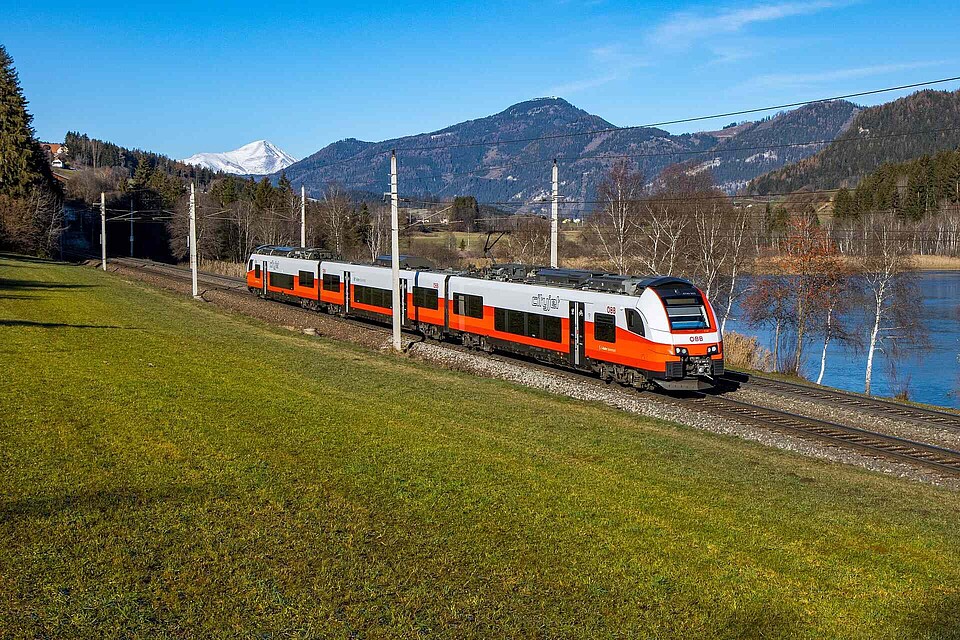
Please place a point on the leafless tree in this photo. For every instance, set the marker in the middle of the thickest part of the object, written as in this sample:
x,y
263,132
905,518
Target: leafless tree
x,y
835,299
32,224
378,230
336,218
891,294
660,235
615,221
528,241
739,258
768,304
241,216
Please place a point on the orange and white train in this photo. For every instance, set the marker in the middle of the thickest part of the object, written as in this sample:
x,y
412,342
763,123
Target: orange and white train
x,y
635,330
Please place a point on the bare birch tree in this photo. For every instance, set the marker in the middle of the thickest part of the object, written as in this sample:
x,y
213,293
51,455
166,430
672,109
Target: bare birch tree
x,y
739,259
615,221
377,230
892,297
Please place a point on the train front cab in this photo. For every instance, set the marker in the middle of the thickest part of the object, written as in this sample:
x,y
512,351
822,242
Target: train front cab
x,y
697,358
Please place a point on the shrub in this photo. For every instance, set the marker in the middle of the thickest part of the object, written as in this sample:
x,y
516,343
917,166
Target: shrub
x,y
745,352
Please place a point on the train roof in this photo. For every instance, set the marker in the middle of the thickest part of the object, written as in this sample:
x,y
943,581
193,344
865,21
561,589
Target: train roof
x,y
303,253
407,262
509,272
578,278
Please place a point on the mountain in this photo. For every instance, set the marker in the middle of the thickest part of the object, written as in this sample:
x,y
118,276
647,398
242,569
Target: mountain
x,y
518,172
930,118
257,158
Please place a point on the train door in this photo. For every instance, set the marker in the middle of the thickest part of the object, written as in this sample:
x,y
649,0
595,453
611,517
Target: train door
x,y
577,319
346,291
265,273
403,303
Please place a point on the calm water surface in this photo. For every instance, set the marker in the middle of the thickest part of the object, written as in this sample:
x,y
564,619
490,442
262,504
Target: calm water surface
x,y
932,376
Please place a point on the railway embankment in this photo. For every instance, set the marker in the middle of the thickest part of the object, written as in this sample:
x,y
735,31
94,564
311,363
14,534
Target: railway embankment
x,y
840,409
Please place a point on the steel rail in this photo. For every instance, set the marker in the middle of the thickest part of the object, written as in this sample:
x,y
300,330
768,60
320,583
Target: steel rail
x,y
881,407
879,444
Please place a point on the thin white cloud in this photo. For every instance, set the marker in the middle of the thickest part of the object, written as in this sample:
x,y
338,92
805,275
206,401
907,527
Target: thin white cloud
x,y
577,86
710,29
685,28
804,80
613,62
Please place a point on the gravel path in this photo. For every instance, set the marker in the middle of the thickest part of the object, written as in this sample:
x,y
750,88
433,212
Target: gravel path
x,y
577,387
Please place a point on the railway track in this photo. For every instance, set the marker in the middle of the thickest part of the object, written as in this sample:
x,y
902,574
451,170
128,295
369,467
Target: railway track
x,y
224,282
865,404
944,461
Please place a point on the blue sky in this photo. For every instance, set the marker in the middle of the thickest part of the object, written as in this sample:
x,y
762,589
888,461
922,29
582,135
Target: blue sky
x,y
179,78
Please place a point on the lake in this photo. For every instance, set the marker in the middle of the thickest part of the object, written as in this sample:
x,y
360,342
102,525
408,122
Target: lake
x,y
932,377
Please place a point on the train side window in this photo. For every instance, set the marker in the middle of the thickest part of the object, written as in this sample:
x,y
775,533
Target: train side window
x,y
306,279
634,321
426,298
468,305
331,283
256,271
500,319
281,280
251,266
373,296
516,322
551,329
604,327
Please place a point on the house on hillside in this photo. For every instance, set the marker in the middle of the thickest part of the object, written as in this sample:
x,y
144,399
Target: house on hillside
x,y
56,153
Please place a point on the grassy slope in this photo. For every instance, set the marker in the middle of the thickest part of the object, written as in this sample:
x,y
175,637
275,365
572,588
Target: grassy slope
x,y
168,468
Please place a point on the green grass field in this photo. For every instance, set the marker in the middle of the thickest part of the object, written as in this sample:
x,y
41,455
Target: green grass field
x,y
171,470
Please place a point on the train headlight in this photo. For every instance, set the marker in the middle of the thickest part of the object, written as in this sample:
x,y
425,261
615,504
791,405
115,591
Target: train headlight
x,y
712,349
680,351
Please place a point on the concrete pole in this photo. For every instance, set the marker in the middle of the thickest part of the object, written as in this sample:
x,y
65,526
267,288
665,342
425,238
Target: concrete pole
x,y
554,217
303,216
395,248
131,226
103,230
193,238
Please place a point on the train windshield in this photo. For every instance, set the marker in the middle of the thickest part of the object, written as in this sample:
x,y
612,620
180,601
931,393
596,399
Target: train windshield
x,y
686,312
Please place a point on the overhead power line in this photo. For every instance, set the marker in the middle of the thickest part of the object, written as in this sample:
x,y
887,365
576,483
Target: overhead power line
x,y
371,153
728,114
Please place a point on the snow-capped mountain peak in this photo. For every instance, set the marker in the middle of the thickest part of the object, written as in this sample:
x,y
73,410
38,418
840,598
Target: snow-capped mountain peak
x,y
260,157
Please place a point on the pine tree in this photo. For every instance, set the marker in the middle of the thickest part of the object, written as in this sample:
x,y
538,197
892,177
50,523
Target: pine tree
x,y
23,165
141,177
843,205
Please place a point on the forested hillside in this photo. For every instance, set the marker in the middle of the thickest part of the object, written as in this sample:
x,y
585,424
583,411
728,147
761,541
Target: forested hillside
x,y
444,163
914,189
923,123
89,152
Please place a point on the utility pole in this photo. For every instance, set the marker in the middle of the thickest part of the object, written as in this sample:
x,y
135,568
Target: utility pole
x,y
131,225
554,216
103,230
193,238
395,248
303,216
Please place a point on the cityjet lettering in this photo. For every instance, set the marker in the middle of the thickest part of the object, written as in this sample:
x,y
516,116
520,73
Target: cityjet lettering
x,y
546,303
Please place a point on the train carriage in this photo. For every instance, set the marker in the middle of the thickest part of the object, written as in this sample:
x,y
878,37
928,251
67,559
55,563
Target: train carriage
x,y
633,330
274,272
